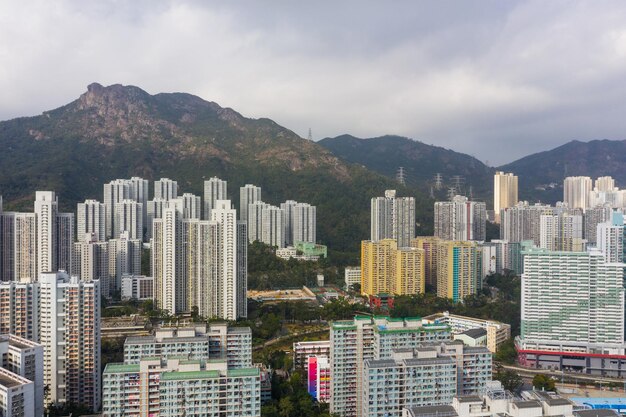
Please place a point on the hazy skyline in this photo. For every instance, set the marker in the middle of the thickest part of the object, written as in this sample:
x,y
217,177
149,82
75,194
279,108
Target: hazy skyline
x,y
498,80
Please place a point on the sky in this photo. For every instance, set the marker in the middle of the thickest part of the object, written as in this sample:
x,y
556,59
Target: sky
x,y
495,79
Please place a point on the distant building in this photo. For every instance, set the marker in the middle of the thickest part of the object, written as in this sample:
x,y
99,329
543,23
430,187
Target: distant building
x,y
91,218
165,189
248,194
137,287
303,350
214,189
393,218
576,192
562,232
504,192
387,269
460,219
497,332
352,275
459,269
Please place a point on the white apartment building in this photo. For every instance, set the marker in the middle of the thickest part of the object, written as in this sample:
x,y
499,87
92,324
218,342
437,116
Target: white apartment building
x,y
572,301
610,238
497,332
17,395
255,220
70,334
215,341
23,358
165,189
248,194
55,234
200,263
18,240
576,192
113,193
273,229
352,275
124,258
214,189
562,232
198,388
352,342
91,218
91,261
211,365
129,219
304,224
460,219
137,287
154,211
393,218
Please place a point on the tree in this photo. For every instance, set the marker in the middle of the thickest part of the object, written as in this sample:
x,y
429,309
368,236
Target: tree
x,y
543,382
506,352
510,380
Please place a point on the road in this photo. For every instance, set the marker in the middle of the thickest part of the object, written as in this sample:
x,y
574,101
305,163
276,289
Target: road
x,y
529,372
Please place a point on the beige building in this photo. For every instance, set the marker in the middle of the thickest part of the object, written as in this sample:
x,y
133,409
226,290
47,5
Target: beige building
x,y
504,192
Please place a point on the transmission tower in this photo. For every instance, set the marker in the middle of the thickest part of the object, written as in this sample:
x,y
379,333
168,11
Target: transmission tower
x,y
400,177
438,181
432,192
457,183
310,136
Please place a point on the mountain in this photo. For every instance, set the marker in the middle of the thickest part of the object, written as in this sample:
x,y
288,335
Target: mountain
x,y
595,158
421,162
122,131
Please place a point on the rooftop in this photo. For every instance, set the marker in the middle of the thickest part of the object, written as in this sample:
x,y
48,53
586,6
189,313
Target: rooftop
x,y
10,380
475,333
527,404
119,368
433,410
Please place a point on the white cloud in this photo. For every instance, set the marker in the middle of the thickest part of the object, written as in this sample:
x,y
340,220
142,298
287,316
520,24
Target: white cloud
x,y
495,79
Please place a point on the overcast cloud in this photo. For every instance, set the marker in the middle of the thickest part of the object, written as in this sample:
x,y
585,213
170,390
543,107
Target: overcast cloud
x,y
496,79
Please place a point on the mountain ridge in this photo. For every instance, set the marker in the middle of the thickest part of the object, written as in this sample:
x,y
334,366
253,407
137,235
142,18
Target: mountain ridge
x,y
121,131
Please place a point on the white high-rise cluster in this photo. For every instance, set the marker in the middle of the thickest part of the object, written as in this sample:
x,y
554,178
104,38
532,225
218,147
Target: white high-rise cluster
x,y
393,218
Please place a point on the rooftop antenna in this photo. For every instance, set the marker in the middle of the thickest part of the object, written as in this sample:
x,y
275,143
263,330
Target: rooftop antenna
x,y
310,136
400,176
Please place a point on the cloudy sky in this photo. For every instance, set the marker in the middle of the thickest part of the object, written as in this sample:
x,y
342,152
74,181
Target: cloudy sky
x,y
495,79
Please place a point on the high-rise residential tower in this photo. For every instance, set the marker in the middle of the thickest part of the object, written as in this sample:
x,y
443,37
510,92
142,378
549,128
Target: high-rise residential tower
x,y
459,269
304,224
70,334
165,189
504,192
129,219
91,218
460,219
562,232
214,189
114,192
576,192
248,194
571,302
393,218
